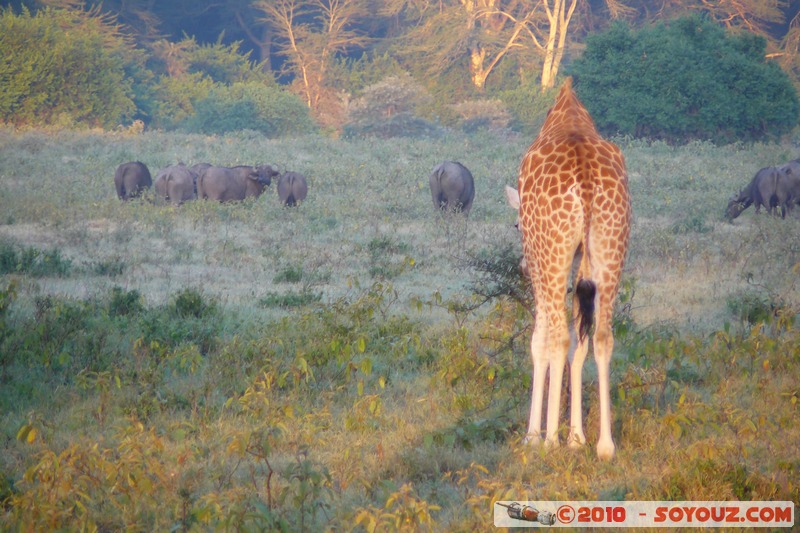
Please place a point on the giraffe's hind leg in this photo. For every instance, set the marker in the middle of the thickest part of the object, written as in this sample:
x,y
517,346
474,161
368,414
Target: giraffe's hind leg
x,y
603,343
603,346
581,348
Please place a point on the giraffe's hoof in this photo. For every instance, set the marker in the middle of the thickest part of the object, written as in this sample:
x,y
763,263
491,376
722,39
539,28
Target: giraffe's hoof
x,y
551,444
605,450
531,440
576,441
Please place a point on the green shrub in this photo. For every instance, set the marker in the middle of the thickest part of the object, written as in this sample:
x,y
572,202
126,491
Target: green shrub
x,y
225,63
174,98
475,115
124,302
290,274
389,109
400,125
752,308
64,68
63,335
383,260
7,297
191,303
528,106
354,75
110,267
290,299
191,317
33,262
250,106
684,80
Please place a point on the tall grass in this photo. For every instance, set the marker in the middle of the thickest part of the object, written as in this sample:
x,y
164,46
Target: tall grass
x,y
251,366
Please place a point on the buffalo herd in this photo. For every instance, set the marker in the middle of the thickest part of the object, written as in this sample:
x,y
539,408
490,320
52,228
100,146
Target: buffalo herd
x,y
452,184
774,188
179,183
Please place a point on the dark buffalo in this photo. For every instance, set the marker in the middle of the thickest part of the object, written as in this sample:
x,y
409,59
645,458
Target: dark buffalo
x,y
175,184
292,188
792,184
233,184
768,188
199,168
131,179
452,187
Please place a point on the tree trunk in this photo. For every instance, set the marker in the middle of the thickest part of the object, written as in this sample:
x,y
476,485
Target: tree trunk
x,y
477,72
559,17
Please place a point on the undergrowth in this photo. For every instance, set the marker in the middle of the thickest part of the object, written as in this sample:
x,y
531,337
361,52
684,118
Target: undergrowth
x,y
351,415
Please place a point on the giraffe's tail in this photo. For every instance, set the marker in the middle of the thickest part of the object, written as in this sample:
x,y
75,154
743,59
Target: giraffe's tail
x,y
584,293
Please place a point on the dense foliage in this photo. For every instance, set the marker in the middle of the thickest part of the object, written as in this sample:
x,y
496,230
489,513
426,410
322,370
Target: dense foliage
x,y
684,80
254,106
84,64
60,68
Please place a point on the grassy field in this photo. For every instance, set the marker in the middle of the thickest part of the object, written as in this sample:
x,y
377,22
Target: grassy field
x,y
251,367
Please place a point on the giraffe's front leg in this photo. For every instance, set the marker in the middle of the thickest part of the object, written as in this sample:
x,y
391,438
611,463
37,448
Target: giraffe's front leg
x,y
540,365
557,348
534,435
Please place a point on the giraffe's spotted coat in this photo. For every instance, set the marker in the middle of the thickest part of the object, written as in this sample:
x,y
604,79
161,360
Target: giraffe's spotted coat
x,y
573,195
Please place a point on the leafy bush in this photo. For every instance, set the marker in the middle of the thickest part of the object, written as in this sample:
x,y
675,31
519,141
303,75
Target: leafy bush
x,y
479,114
400,125
290,299
190,303
226,63
388,109
174,98
290,274
125,302
64,68
221,63
7,297
354,75
684,80
528,106
34,262
250,106
751,308
191,317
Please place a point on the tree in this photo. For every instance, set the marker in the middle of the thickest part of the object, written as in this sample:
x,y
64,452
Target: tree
x,y
790,57
482,33
310,33
684,80
559,15
64,67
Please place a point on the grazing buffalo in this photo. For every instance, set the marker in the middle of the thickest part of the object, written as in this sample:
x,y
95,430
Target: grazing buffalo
x,y
131,179
792,171
452,187
232,184
292,188
768,188
198,168
175,184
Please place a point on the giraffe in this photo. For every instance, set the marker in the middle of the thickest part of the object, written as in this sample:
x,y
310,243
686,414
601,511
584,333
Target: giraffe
x,y
572,199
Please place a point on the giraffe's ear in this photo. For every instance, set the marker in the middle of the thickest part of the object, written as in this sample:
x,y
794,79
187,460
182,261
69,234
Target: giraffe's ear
x,y
512,195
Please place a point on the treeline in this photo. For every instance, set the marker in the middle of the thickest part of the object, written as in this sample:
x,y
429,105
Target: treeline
x,y
408,69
